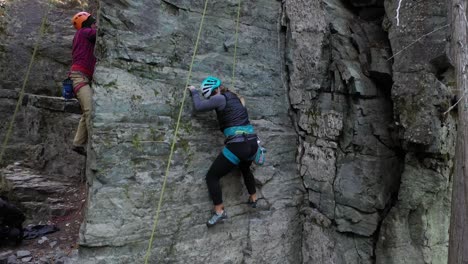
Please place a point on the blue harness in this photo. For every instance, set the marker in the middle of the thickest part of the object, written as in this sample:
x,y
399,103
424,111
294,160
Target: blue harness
x,y
238,130
231,156
237,134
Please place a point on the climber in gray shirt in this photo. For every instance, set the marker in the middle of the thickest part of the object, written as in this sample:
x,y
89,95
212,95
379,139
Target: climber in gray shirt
x,y
241,141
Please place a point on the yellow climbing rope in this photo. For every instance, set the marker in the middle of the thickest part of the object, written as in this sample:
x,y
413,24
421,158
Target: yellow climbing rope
x,y
21,94
174,139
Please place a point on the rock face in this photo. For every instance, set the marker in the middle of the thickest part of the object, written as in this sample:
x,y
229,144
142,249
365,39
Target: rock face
x,y
42,134
145,50
349,104
348,157
41,168
421,94
374,130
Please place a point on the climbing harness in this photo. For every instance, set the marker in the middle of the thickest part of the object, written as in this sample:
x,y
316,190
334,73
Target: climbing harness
x,y
240,138
174,139
21,94
238,130
230,156
259,156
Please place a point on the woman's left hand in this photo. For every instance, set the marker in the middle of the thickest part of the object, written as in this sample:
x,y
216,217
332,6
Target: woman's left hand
x,y
191,88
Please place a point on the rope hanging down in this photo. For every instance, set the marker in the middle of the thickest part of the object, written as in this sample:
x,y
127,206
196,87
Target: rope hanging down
x,y
21,94
174,139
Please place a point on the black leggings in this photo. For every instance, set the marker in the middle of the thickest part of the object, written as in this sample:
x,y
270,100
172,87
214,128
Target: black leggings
x,y
222,166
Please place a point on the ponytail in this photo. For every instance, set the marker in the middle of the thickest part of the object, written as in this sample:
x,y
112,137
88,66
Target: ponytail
x,y
224,89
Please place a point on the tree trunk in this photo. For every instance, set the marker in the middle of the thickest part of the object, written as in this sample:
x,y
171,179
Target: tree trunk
x,y
458,242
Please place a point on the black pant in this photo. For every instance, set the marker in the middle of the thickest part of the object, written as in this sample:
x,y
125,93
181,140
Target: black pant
x,y
10,235
222,166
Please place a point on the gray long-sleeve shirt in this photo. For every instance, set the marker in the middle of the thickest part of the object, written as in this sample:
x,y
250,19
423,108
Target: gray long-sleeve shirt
x,y
216,102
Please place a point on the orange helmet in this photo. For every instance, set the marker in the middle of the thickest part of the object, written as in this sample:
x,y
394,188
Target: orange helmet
x,y
79,18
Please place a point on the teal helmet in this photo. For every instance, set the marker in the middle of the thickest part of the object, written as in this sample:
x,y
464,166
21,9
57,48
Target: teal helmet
x,y
209,85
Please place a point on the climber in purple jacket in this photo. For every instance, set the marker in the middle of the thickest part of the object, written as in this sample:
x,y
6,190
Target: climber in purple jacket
x,y
241,141
81,73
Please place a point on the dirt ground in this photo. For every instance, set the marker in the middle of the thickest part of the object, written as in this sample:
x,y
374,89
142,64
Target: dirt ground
x,y
61,245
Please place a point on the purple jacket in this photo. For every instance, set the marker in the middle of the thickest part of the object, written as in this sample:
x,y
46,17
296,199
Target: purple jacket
x,y
83,51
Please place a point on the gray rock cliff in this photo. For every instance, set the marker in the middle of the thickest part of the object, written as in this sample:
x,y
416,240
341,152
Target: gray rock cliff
x,y
349,104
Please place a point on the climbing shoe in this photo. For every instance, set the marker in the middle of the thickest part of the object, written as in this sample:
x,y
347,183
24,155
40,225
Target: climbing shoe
x,y
216,218
80,150
251,203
